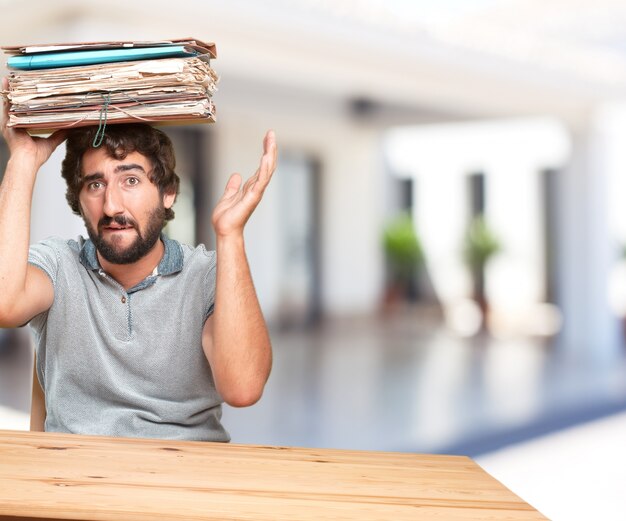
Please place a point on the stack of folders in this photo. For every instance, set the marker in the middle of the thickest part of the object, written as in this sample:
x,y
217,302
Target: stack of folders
x,y
71,85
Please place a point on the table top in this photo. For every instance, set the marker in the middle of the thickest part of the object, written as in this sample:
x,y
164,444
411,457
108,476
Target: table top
x,y
68,476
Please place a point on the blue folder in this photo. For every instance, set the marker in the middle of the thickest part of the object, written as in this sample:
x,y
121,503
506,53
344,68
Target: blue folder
x,y
53,60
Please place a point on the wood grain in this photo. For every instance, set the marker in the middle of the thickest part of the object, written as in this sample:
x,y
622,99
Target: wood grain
x,y
63,476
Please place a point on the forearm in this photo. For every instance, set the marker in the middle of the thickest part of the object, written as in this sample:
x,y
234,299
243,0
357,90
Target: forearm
x,y
15,206
241,355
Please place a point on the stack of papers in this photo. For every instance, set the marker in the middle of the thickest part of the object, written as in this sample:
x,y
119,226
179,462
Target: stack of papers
x,y
71,85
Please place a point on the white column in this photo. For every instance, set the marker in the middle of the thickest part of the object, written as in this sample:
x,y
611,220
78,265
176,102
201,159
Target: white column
x,y
585,251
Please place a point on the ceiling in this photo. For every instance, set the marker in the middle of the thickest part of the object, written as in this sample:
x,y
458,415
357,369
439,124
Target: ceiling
x,y
581,38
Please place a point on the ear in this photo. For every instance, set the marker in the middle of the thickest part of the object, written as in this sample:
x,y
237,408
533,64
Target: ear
x,y
168,200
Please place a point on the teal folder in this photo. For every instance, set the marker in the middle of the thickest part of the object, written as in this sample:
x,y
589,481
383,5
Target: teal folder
x,y
52,60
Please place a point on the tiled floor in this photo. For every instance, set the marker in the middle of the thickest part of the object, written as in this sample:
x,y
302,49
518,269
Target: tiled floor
x,y
402,384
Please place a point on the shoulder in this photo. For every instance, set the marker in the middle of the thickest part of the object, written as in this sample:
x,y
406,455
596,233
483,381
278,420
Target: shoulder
x,y
179,257
56,247
198,255
58,243
199,263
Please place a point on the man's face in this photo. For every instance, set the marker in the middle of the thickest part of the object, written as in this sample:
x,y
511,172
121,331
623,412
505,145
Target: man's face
x,y
122,209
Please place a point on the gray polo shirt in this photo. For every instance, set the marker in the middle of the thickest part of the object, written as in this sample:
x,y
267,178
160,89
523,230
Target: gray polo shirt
x,y
127,363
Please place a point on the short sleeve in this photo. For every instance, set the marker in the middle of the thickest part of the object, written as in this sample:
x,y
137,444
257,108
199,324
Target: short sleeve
x,y
45,256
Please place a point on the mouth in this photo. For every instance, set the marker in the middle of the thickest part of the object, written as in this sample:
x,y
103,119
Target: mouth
x,y
111,228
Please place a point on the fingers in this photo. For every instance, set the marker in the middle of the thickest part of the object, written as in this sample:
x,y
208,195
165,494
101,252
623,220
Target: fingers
x,y
5,105
270,148
258,182
4,116
232,186
57,137
49,144
268,162
273,146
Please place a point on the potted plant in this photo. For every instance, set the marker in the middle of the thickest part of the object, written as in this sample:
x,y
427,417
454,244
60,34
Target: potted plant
x,y
480,245
404,256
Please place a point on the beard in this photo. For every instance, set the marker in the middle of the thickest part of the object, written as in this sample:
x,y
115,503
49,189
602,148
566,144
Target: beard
x,y
142,244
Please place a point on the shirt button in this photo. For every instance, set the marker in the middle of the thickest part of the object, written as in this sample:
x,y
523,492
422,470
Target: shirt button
x,y
123,300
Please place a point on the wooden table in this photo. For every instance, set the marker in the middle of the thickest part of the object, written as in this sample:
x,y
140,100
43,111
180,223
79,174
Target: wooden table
x,y
61,476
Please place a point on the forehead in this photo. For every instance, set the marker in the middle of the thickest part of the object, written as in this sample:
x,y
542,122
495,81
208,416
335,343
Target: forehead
x,y
98,160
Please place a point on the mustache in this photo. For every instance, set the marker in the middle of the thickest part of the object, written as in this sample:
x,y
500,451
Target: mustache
x,y
121,220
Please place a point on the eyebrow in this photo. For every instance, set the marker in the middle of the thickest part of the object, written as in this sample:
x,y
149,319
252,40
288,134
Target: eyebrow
x,y
129,166
118,169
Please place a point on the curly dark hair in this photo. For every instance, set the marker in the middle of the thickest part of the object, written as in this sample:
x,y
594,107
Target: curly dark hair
x,y
119,141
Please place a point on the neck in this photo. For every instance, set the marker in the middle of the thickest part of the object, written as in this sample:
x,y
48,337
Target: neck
x,y
129,275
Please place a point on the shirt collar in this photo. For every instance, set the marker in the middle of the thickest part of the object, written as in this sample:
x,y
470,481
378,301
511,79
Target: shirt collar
x,y
171,262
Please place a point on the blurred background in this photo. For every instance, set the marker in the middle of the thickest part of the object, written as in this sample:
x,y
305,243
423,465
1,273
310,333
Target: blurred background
x,y
441,255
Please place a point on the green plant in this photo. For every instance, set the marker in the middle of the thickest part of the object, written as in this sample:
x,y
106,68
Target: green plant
x,y
403,248
480,244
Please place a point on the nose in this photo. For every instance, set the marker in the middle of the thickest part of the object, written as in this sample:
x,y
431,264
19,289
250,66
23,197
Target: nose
x,y
113,203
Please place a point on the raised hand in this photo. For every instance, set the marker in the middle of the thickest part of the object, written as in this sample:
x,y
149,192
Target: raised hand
x,y
37,149
238,202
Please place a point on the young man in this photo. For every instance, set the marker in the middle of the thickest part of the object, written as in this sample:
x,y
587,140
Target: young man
x,y
136,334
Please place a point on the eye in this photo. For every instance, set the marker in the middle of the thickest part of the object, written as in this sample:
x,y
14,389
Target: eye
x,y
132,181
94,185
